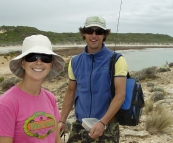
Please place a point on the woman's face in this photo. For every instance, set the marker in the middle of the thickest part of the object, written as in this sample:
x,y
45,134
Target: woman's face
x,y
37,66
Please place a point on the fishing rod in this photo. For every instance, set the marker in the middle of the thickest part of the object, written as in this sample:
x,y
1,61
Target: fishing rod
x,y
116,36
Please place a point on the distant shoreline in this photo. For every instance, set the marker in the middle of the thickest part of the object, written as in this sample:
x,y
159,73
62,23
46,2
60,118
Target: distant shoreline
x,y
8,49
113,47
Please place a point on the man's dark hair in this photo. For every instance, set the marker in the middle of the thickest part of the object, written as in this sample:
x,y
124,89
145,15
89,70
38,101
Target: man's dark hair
x,y
82,31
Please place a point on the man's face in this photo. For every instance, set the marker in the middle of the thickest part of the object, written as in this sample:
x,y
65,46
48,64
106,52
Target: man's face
x,y
94,38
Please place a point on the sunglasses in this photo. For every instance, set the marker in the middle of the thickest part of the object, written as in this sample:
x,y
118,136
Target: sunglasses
x,y
34,56
97,31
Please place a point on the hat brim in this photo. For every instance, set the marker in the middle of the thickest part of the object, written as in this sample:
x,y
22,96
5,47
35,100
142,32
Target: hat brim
x,y
57,66
97,25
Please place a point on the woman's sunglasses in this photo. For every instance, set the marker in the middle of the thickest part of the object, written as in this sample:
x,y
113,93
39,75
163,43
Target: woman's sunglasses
x,y
34,56
97,31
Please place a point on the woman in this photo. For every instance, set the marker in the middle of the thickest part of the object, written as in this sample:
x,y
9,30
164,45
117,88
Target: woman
x,y
29,113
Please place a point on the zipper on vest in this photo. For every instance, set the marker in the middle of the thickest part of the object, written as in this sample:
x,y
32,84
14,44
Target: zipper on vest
x,y
91,84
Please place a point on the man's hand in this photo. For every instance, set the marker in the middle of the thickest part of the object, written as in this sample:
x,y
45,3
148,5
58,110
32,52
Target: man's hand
x,y
97,130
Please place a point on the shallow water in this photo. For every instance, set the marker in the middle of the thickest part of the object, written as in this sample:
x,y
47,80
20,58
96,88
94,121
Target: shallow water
x,y
140,59
136,59
4,50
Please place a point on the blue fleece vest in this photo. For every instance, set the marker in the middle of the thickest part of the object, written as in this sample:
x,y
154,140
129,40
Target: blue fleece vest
x,y
93,94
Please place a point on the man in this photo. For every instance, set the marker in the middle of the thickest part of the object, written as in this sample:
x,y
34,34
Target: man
x,y
89,87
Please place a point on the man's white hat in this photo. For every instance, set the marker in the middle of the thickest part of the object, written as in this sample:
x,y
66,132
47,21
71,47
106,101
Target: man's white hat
x,y
95,21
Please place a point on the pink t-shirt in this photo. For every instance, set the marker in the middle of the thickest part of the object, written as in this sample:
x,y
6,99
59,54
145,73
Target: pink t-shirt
x,y
27,118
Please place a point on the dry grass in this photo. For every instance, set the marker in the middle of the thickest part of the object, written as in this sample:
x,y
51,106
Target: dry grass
x,y
148,108
159,120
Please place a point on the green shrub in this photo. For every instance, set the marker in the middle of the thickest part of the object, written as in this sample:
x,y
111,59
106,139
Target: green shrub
x,y
148,73
12,54
163,69
8,83
1,79
170,64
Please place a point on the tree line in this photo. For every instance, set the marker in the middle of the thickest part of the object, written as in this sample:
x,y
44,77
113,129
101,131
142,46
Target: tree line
x,y
14,35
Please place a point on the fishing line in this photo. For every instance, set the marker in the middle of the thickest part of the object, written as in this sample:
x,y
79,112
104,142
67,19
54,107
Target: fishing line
x,y
116,36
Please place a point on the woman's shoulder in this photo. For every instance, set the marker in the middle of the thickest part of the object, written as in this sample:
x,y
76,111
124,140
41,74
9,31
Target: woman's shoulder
x,y
47,93
48,96
8,96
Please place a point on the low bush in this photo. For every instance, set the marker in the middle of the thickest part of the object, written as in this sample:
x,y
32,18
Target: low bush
x,y
159,120
148,73
8,83
170,64
163,69
148,108
1,79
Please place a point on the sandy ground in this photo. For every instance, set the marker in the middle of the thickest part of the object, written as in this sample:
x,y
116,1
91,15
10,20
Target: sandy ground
x,y
165,80
4,65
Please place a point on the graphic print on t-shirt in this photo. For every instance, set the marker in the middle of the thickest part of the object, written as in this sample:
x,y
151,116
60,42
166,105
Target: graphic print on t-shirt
x,y
39,125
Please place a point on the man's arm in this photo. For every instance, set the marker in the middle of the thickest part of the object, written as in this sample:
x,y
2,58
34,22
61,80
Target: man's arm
x,y
6,140
120,88
67,103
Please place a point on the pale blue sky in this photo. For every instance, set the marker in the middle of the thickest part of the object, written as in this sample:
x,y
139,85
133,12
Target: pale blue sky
x,y
137,16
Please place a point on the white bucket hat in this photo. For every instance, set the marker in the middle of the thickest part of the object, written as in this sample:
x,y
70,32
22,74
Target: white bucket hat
x,y
37,44
95,21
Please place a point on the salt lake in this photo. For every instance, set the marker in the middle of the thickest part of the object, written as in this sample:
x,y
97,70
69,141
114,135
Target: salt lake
x,y
140,59
136,59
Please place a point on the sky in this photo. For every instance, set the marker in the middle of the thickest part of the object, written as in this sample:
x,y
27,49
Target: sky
x,y
136,16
